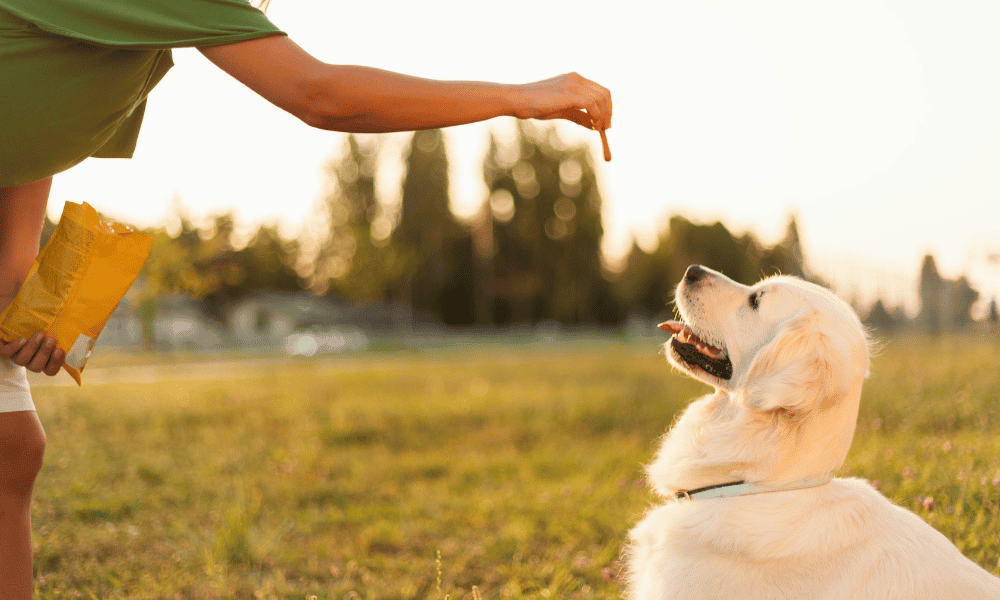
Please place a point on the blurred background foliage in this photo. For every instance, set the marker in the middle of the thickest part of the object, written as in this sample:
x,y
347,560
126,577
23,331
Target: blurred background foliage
x,y
530,254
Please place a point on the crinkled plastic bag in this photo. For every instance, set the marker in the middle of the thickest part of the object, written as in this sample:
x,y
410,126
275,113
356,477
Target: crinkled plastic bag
x,y
76,282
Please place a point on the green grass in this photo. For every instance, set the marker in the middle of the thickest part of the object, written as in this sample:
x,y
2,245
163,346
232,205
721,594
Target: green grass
x,y
515,472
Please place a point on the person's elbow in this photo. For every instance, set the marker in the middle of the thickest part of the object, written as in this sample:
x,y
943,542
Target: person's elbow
x,y
319,104
317,107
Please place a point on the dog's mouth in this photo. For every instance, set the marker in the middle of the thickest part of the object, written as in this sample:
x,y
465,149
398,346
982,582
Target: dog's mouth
x,y
696,352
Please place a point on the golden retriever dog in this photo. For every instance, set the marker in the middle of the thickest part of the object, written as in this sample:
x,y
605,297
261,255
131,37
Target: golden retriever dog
x,y
751,508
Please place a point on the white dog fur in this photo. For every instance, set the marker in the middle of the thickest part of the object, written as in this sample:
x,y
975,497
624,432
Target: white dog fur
x,y
787,414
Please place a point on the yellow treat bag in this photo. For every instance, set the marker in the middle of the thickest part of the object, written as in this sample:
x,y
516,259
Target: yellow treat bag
x,y
76,282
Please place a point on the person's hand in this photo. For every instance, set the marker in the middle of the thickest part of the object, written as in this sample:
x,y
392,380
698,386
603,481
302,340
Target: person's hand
x,y
37,353
570,96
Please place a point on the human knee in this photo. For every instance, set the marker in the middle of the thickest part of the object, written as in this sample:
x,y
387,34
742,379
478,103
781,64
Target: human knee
x,y
22,452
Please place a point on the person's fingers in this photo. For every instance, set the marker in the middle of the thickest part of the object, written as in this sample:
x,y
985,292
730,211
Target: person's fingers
x,y
37,353
41,358
571,114
600,106
570,96
600,114
23,356
584,119
9,349
55,362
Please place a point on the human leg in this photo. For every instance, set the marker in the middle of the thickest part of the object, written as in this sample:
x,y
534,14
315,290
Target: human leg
x,y
22,448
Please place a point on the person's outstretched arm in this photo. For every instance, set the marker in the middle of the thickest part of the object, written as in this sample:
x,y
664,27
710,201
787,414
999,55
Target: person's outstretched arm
x,y
368,100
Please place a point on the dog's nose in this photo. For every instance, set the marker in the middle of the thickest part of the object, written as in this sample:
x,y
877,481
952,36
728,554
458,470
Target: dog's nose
x,y
694,273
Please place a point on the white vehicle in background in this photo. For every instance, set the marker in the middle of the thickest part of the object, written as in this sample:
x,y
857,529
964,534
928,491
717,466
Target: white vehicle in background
x,y
327,341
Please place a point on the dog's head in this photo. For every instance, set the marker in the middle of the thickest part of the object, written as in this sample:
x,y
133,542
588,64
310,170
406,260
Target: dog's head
x,y
787,358
782,343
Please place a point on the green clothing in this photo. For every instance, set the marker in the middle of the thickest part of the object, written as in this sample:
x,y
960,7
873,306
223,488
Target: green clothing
x,y
74,74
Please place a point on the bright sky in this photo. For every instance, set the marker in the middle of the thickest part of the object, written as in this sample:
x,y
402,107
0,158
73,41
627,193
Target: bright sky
x,y
876,122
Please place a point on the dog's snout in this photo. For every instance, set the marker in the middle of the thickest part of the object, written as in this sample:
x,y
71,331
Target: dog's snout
x,y
694,273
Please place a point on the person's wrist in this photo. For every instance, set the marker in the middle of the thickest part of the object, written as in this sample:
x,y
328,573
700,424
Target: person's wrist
x,y
513,100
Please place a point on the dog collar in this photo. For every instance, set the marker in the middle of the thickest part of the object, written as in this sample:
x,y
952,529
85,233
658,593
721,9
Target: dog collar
x,y
742,488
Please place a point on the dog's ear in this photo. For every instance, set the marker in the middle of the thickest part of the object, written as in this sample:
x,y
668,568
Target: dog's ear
x,y
801,369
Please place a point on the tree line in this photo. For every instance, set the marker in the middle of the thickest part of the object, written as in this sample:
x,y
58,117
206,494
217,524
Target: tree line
x,y
945,306
531,253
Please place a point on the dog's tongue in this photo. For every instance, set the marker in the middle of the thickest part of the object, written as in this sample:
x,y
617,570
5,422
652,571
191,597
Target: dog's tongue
x,y
673,327
686,336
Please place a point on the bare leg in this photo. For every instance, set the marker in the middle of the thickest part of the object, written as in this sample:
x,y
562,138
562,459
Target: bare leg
x,y
22,446
22,439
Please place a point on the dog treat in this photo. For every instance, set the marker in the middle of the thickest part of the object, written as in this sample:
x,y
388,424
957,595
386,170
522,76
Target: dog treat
x,y
76,282
604,143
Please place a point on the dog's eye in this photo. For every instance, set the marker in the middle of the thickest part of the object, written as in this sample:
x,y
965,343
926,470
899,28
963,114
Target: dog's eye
x,y
754,300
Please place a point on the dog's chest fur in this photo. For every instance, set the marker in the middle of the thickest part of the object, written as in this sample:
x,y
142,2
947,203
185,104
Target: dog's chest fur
x,y
842,540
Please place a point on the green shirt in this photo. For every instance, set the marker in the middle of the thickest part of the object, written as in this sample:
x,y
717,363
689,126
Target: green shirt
x,y
74,74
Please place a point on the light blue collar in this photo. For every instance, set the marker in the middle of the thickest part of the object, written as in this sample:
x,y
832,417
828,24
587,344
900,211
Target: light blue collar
x,y
742,488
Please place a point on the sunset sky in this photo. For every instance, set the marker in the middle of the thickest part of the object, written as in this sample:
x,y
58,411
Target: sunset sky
x,y
876,123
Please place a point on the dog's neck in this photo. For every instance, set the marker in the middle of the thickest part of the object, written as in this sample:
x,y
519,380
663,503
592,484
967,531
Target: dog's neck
x,y
717,441
742,488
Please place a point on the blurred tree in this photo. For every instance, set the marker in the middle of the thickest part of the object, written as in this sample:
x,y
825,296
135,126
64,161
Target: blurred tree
x,y
581,287
214,261
643,284
267,263
931,285
176,265
792,244
684,243
884,320
484,291
357,259
944,304
787,256
712,246
648,279
963,296
203,264
514,232
439,280
544,257
227,274
458,294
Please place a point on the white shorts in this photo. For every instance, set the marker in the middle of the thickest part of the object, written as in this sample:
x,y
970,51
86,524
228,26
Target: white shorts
x,y
15,394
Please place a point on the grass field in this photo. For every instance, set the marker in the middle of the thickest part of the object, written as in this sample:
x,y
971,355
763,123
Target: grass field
x,y
512,472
